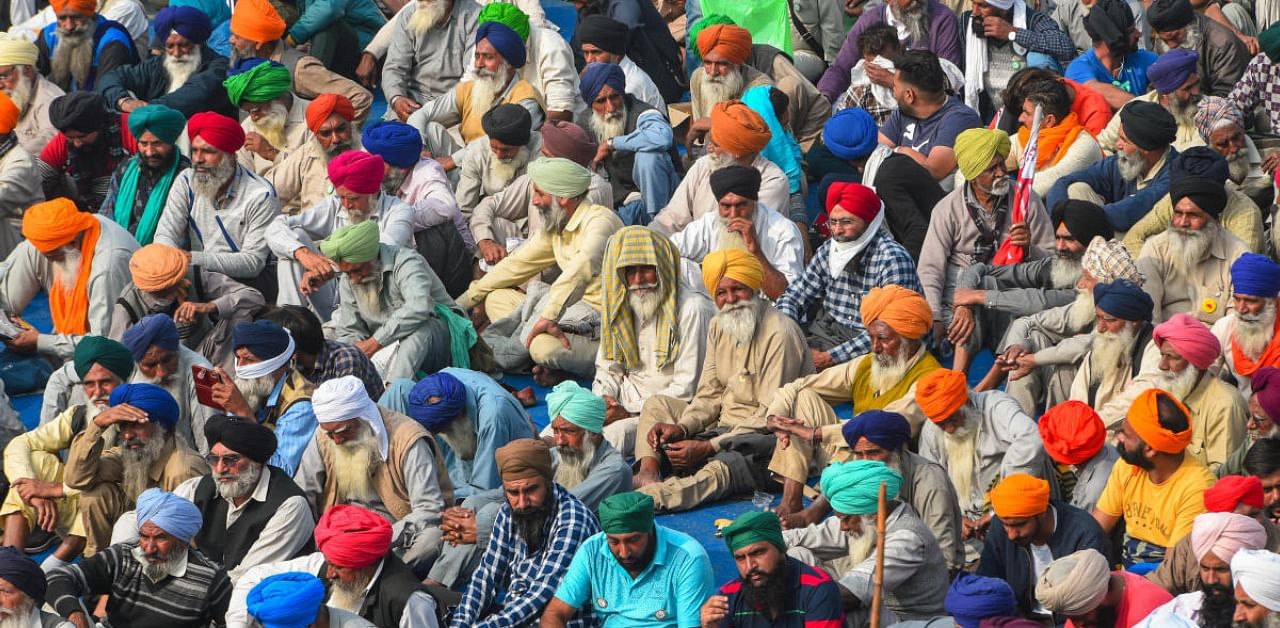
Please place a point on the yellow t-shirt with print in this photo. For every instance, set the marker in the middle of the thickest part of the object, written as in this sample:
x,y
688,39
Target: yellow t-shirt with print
x,y
1160,514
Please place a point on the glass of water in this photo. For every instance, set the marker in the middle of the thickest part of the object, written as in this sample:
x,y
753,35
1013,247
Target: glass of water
x,y
762,500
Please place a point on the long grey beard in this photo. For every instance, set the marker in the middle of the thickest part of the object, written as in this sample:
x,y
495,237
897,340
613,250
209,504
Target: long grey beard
x,y
888,370
1254,332
554,218
206,184
22,92
155,572
739,320
353,464
730,239
17,617
644,302
1083,313
179,70
73,59
1189,247
369,299
137,463
1190,41
861,545
1239,167
460,436
916,19
1131,166
1108,349
348,597
335,149
173,384
271,124
427,14
67,270
487,86
1064,272
962,458
244,482
608,126
715,89
502,172
1179,384
1184,111
575,464
256,390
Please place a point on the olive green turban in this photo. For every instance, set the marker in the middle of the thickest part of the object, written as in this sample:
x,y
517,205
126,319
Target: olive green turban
x,y
976,147
355,244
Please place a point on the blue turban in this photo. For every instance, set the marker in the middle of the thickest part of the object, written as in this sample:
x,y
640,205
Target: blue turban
x,y
972,599
156,330
397,143
170,513
1172,69
889,430
189,22
23,573
286,600
506,41
1256,276
597,75
159,405
853,488
263,339
1123,300
851,134
576,405
1200,161
217,10
437,416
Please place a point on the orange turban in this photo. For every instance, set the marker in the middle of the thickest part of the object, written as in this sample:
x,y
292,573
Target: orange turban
x,y
729,41
8,114
83,7
904,310
49,226
326,105
257,20
1019,496
157,267
940,393
1144,416
735,264
1072,432
738,129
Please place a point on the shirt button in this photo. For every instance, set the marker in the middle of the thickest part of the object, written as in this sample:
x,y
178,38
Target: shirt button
x,y
602,603
661,614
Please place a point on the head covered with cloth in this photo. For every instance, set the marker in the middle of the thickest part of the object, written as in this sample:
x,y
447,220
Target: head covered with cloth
x,y
853,488
1257,573
627,513
1148,126
560,177
158,267
174,515
905,311
397,143
345,399
737,129
888,430
1224,534
353,244
60,232
257,21
577,405
1109,260
850,134
630,299
286,600
1072,432
100,350
524,459
1149,416
734,264
752,528
1190,338
23,574
976,149
941,393
161,408
250,439
1172,69
1075,584
597,75
1123,300
437,400
257,80
1232,491
353,537
153,330
973,598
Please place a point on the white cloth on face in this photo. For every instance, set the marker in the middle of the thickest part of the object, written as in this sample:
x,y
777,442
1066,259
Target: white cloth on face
x,y
1258,573
268,366
841,253
858,78
345,398
975,55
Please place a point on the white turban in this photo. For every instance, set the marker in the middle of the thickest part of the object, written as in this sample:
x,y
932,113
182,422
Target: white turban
x,y
1074,584
16,50
1258,573
345,398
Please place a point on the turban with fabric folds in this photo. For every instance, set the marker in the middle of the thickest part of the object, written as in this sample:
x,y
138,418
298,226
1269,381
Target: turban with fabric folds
x,y
160,406
286,600
576,405
1224,534
1190,338
942,392
1256,276
9,114
354,244
397,143
219,131
738,129
1214,109
1110,23
258,21
264,339
154,330
975,148
23,573
524,458
736,264
727,40
175,515
51,225
508,14
1231,491
248,438
1209,195
1269,41
1144,416
83,7
889,430
604,33
85,112
568,140
626,513
1019,496
1072,432
358,171
1172,68
157,267
1258,573
112,355
1109,260
1200,161
1266,385
190,22
559,177
853,487
1123,300
164,123
1074,584
855,198
451,401
257,80
850,134
741,180
507,42
1147,125
597,75
326,105
629,247
752,528
16,50
1083,219
1170,15
707,21
352,537
508,123
904,310
973,598
343,399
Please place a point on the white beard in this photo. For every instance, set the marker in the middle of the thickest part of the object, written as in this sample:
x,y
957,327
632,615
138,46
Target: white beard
x,y
961,449
22,92
1183,111
644,301
17,617
739,320
713,90
179,70
1083,313
1189,247
427,15
335,149
1108,349
487,86
862,545
575,465
460,436
271,124
554,218
502,172
720,160
1179,384
369,298
1254,333
173,383
353,464
156,572
730,239
256,390
243,484
348,597
1131,166
206,184
608,126
1064,272
66,271
1239,167
888,370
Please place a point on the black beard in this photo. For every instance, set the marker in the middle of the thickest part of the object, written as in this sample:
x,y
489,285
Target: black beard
x,y
1219,606
1136,459
770,598
531,525
639,563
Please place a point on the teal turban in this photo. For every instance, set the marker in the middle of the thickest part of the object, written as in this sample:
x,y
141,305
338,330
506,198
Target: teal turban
x,y
626,513
161,121
112,355
354,244
576,405
560,177
752,528
853,488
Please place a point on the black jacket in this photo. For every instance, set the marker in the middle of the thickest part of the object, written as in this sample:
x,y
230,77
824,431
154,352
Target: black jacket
x,y
149,81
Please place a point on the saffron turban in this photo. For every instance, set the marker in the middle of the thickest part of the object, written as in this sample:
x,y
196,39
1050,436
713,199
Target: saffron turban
x,y
112,355
850,134
83,7
1269,41
973,598
326,105
353,537
1256,276
450,401
51,225
190,22
1109,260
160,406
604,33
752,528
941,392
1258,573
1172,68
576,405
286,600
1232,490
738,129
85,112
1072,432
1123,300
175,515
264,339
524,458
1266,385
507,14
154,330
1019,496
164,123
597,75
905,311
1148,126
1224,534
626,513
1209,195
1200,161
397,143
853,487
343,399
9,114
1074,584
248,438
256,80
258,21
1212,110
157,267
357,171
16,50
508,123
741,180
559,177
1169,15
855,198
975,148
568,140
507,42
1084,220
1190,338
354,244
706,22
219,131
23,573
726,40
736,264
1144,416
889,430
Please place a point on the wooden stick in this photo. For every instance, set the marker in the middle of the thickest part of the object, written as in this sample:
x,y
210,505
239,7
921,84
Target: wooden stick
x,y
877,591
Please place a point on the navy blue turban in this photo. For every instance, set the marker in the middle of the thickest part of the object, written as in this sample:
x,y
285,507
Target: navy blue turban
x,y
850,134
159,405
972,599
889,430
1123,300
397,143
597,75
437,416
189,22
1256,276
156,330
1200,161
263,339
23,573
506,41
1172,69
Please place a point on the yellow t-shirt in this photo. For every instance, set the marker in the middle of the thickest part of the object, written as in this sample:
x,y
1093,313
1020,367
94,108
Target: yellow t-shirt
x,y
1160,514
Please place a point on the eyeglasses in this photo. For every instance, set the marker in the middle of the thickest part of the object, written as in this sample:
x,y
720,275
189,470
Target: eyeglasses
x,y
229,460
841,222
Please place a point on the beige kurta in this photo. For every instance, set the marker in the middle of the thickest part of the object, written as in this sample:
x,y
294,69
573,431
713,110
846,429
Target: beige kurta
x,y
1186,137
1113,384
34,128
302,178
19,189
751,77
510,212
1206,294
1241,217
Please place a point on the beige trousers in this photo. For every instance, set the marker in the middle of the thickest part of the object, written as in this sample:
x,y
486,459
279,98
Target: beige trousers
x,y
48,468
802,459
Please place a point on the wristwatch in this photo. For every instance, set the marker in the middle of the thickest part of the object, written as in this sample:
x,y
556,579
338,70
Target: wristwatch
x,y
1013,35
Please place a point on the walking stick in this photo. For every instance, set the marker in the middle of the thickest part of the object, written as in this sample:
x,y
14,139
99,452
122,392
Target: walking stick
x,y
877,591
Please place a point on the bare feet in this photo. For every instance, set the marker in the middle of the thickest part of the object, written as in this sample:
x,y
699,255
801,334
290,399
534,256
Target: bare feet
x,y
647,475
548,377
801,519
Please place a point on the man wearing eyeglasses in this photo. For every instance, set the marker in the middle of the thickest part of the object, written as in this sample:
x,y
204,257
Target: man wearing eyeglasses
x,y
302,179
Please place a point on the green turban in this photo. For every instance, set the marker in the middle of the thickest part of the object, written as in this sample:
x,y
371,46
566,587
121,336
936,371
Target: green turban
x,y
975,148
560,177
754,527
626,513
355,244
112,355
508,14
1269,41
853,488
576,405
712,19
161,121
262,82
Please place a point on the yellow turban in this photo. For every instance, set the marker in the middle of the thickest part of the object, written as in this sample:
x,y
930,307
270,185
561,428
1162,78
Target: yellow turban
x,y
1020,496
157,267
904,310
15,50
735,264
940,393
976,147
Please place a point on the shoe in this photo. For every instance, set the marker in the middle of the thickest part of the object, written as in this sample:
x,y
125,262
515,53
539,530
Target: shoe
x,y
39,541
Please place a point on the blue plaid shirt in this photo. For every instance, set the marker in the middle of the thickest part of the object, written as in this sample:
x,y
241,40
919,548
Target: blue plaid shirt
x,y
513,586
884,262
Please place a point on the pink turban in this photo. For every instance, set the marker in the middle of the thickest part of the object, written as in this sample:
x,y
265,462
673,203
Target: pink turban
x,y
1190,338
1225,534
357,171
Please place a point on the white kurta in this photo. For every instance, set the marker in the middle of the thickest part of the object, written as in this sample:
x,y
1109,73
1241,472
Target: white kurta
x,y
778,237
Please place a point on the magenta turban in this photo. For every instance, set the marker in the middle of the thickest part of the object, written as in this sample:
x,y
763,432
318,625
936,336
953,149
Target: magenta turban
x,y
1190,338
357,171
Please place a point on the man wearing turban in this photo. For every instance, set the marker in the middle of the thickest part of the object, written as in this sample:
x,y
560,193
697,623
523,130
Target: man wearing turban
x,y
1113,37
80,46
1222,56
140,185
1080,587
724,74
1075,439
494,162
1256,574
716,445
20,180
302,179
603,40
1214,541
295,599
275,121
1247,334
1177,86
26,583
161,359
1119,348
78,162
30,91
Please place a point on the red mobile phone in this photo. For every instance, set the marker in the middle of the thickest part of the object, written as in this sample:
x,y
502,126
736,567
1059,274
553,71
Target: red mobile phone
x,y
205,379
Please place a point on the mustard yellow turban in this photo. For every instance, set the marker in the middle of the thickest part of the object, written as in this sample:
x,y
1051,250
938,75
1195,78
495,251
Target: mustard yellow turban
x,y
976,147
735,264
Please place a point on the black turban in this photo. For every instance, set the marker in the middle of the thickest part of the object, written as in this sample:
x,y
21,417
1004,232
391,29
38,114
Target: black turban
x,y
247,438
1084,220
23,573
741,180
1148,125
85,112
604,33
1207,194
1170,15
1109,21
509,124
1200,161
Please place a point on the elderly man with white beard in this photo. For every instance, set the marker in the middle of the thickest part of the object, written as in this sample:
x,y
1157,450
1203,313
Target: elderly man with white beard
x,y
275,121
1263,418
24,587
419,181
29,90
724,74
549,67
162,360
302,179
427,53
1247,334
1119,347
1176,86
494,162
1222,127
82,46
21,182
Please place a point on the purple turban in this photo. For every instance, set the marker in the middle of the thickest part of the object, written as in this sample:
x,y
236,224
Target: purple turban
x,y
1171,69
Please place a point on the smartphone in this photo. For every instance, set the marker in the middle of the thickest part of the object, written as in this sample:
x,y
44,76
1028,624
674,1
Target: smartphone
x,y
205,379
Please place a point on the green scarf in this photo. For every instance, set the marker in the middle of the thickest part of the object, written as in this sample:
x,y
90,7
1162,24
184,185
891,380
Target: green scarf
x,y
462,335
155,202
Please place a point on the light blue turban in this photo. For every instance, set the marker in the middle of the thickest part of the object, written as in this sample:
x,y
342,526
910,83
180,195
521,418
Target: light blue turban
x,y
171,513
853,488
286,600
576,405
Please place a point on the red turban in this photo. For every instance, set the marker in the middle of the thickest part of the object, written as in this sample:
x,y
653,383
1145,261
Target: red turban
x,y
326,105
1232,490
357,171
941,393
83,7
219,131
353,537
1190,338
729,41
855,198
1072,432
738,129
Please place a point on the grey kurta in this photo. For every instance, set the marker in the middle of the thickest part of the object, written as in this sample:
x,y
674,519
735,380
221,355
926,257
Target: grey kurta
x,y
474,184
424,66
19,189
1210,280
227,235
